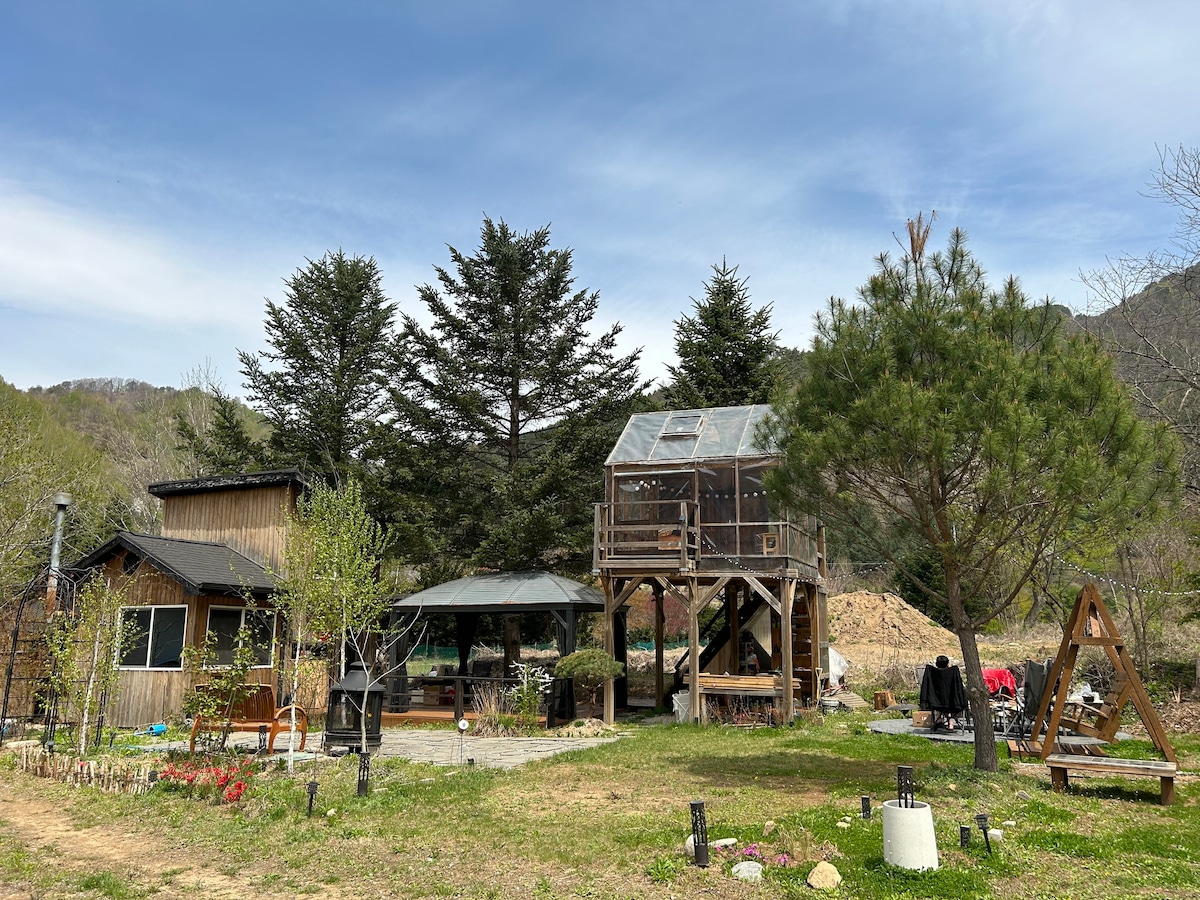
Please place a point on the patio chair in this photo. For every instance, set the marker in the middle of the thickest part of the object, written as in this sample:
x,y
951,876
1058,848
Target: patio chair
x,y
1033,688
942,693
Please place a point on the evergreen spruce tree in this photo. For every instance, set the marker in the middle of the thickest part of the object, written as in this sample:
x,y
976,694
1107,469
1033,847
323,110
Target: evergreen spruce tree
x,y
226,447
505,407
727,351
321,386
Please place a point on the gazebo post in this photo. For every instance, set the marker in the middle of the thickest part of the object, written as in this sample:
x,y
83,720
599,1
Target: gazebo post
x,y
466,625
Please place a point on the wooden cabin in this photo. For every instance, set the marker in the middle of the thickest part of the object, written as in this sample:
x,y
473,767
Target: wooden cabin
x,y
211,570
685,512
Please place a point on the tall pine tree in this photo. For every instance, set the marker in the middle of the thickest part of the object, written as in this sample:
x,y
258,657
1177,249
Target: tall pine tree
x,y
506,406
727,351
321,386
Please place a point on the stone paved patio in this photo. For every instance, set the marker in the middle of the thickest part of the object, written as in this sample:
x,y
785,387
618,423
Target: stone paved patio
x,y
441,747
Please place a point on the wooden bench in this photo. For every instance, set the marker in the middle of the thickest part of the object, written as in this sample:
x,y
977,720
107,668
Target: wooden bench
x,y
1062,763
253,712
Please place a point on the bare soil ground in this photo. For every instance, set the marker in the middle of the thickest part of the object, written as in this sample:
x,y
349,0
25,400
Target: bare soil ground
x,y
165,868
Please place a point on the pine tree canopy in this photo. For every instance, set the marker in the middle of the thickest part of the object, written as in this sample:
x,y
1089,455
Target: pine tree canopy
x,y
321,386
967,420
726,350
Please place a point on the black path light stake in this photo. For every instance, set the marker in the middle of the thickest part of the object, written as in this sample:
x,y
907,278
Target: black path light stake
x,y
904,786
311,789
700,833
964,836
152,777
982,821
866,807
364,771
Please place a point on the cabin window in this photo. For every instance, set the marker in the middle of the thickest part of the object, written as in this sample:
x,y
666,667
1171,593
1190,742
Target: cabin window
x,y
154,637
224,623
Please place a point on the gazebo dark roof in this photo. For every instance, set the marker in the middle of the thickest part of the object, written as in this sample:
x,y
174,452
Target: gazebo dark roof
x,y
202,567
506,592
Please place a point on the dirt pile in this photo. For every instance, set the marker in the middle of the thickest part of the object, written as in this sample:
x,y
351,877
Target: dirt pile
x,y
875,630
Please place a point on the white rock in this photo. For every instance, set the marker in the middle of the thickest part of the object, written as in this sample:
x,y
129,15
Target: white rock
x,y
329,814
843,824
689,846
748,871
768,827
1009,824
824,877
995,835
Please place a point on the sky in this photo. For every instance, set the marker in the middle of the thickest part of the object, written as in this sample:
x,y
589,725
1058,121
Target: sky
x,y
165,166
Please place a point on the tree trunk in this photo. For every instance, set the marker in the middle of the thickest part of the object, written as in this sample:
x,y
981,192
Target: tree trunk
x,y
977,695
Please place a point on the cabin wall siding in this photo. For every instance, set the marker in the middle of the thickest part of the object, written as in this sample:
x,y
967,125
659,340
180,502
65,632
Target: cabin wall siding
x,y
251,521
156,695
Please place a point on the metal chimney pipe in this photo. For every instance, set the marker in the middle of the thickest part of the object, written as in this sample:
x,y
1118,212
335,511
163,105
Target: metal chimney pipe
x,y
61,502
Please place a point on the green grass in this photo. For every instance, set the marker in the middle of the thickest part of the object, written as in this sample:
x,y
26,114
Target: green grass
x,y
610,822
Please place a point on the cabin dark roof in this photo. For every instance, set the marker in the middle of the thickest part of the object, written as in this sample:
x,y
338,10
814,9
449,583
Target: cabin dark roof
x,y
211,483
202,567
506,592
720,433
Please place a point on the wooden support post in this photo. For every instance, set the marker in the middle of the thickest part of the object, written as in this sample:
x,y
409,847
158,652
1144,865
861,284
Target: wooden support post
x,y
695,707
731,618
610,645
788,590
660,622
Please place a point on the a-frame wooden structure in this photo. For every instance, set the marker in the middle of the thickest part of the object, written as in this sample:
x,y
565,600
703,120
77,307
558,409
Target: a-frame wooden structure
x,y
1091,625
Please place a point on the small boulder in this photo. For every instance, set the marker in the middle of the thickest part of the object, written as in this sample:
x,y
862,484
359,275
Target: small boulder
x,y
843,824
768,828
723,843
1023,795
748,871
995,835
824,877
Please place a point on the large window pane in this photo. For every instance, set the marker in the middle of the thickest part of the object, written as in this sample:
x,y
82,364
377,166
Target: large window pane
x,y
223,627
135,625
166,638
154,637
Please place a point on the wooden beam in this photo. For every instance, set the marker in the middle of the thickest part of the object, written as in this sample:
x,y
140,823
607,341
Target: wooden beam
x,y
761,590
628,591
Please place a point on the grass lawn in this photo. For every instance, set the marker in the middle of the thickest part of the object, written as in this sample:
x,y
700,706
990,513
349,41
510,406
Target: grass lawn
x,y
610,822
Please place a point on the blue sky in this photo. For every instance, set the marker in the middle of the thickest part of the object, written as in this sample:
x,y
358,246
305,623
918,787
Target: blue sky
x,y
163,166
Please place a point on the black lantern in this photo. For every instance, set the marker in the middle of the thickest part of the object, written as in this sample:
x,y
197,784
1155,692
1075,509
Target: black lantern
x,y
700,833
353,700
981,821
311,790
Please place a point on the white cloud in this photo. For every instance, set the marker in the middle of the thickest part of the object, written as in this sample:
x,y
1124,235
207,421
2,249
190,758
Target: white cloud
x,y
74,262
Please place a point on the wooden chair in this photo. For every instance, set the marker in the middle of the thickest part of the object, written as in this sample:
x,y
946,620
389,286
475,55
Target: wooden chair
x,y
253,712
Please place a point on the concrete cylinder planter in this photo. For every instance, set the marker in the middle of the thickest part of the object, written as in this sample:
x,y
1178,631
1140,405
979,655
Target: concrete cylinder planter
x,y
908,837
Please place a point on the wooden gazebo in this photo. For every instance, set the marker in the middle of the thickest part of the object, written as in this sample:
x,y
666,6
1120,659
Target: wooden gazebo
x,y
685,512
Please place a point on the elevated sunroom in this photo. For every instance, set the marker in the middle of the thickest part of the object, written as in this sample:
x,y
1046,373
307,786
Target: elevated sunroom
x,y
684,491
